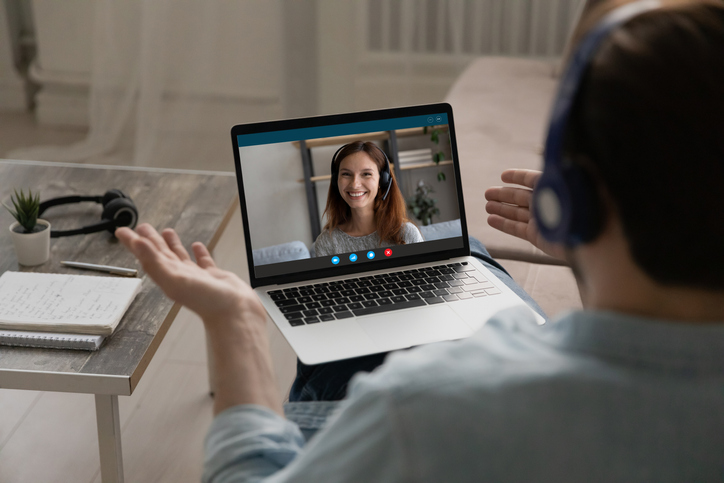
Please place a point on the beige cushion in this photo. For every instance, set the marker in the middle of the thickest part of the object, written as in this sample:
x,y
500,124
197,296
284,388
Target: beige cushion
x,y
500,107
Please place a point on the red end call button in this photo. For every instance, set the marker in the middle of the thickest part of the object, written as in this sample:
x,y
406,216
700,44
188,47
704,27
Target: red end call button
x,y
388,252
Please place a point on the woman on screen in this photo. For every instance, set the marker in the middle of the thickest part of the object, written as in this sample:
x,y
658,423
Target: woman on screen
x,y
365,208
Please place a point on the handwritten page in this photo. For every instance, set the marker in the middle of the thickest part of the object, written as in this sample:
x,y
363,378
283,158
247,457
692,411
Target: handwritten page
x,y
64,303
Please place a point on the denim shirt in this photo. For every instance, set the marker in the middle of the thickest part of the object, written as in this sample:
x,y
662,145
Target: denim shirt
x,y
590,396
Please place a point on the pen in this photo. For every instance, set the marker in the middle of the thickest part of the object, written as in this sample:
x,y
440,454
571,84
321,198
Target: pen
x,y
126,272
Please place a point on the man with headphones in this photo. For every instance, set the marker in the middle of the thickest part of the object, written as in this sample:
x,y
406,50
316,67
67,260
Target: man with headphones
x,y
629,389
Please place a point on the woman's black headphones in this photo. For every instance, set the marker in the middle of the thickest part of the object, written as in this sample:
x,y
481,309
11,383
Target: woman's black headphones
x,y
118,210
385,174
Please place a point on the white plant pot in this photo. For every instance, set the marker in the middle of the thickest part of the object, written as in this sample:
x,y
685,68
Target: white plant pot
x,y
32,248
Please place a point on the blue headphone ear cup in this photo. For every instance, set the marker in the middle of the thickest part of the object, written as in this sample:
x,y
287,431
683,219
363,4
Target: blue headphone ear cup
x,y
551,202
121,210
566,206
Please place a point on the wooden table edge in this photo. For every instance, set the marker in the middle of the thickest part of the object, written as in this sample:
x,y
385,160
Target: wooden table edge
x,y
143,364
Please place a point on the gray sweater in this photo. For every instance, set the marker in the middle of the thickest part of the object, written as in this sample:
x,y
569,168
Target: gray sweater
x,y
337,241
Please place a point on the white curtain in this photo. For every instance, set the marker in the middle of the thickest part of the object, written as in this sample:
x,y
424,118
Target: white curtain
x,y
170,77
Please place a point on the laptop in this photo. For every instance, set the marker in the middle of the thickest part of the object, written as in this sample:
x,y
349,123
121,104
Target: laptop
x,y
381,298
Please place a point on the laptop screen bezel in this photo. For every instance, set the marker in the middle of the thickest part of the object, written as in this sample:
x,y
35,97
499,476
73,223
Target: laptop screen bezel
x,y
334,119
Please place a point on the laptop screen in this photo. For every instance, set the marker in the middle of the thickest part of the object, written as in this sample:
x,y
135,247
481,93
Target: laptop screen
x,y
391,198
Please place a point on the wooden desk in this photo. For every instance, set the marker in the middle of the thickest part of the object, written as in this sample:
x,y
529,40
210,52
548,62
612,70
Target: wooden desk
x,y
198,205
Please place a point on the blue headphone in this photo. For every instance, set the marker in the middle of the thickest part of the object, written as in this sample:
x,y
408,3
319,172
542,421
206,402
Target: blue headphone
x,y
385,174
565,203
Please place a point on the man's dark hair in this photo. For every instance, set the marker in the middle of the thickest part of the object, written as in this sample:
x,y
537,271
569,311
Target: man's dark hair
x,y
649,125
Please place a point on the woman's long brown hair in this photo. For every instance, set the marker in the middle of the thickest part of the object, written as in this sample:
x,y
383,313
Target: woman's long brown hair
x,y
390,214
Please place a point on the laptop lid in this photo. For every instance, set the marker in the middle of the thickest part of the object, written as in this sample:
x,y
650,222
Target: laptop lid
x,y
283,172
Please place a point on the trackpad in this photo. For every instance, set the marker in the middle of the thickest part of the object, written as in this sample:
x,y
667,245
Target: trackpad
x,y
398,330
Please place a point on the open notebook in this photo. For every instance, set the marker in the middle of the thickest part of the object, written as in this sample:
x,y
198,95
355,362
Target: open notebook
x,y
60,303
51,340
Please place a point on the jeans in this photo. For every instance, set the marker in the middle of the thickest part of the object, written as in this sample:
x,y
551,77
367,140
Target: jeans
x,y
329,381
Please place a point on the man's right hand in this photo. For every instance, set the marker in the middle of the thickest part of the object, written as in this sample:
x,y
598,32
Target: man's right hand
x,y
217,296
510,209
233,315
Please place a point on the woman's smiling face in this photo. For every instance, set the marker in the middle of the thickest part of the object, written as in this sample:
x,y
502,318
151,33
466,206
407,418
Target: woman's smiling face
x,y
358,180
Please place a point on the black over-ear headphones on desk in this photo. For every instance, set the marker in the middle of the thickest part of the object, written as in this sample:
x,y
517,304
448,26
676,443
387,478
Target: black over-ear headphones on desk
x,y
118,210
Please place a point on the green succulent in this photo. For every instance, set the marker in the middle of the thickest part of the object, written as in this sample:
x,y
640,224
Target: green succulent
x,y
26,209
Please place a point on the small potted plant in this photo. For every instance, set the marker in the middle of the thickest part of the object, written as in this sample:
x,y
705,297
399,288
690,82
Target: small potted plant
x,y
422,206
31,236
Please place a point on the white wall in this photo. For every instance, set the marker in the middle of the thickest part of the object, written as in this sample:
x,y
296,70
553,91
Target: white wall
x,y
12,90
386,53
240,43
318,56
276,201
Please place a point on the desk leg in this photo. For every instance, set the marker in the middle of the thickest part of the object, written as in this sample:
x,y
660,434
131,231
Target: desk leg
x,y
109,438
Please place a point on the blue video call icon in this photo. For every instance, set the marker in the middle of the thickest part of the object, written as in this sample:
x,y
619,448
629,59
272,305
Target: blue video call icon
x,y
370,254
335,260
353,257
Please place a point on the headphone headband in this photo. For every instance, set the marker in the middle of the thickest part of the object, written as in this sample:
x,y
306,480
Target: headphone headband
x,y
64,200
571,80
565,202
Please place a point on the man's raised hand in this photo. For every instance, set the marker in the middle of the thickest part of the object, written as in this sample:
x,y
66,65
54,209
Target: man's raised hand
x,y
214,294
510,209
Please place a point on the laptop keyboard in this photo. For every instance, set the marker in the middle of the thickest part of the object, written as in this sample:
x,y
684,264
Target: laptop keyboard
x,y
356,297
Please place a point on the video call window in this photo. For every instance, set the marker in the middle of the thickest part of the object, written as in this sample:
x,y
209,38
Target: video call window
x,y
311,192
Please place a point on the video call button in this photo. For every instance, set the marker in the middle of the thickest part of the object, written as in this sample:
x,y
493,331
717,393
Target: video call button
x,y
388,252
335,260
353,257
370,254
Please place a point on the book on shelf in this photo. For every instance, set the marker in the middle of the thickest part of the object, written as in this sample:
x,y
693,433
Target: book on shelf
x,y
64,304
414,156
